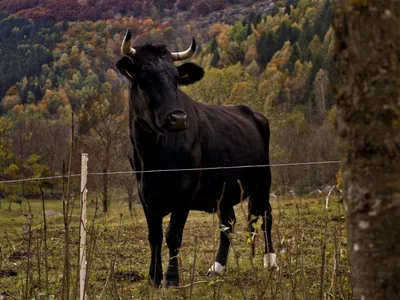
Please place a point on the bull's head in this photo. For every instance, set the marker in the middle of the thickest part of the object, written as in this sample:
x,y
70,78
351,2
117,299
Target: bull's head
x,y
155,98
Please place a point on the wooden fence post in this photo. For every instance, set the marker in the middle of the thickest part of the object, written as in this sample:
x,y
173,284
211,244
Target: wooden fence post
x,y
83,223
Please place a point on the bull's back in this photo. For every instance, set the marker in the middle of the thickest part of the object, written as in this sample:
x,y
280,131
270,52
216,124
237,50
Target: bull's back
x,y
232,138
233,135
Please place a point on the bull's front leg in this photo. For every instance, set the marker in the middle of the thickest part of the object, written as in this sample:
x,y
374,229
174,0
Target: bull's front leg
x,y
154,224
174,242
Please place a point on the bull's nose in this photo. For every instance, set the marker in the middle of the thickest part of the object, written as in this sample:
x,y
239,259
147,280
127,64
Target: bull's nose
x,y
178,121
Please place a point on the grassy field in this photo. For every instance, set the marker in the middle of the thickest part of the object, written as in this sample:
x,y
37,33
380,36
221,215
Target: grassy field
x,y
310,243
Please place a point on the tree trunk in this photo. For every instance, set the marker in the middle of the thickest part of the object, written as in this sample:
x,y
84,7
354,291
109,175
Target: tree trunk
x,y
367,52
129,188
105,191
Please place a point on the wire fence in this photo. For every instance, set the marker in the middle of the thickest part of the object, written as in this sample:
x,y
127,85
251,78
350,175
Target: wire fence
x,y
175,170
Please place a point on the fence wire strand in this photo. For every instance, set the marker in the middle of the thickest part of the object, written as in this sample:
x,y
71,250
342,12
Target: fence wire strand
x,y
176,170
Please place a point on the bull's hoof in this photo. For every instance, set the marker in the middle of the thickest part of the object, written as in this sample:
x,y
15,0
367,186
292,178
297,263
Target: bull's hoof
x,y
270,262
171,277
216,269
171,282
156,283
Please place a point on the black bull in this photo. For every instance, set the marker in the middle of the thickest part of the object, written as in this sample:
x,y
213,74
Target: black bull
x,y
169,130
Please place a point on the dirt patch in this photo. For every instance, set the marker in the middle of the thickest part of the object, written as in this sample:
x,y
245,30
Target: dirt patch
x,y
338,218
131,276
8,273
19,255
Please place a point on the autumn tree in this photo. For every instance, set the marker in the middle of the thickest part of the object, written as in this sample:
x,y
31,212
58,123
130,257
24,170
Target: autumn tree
x,y
6,153
107,139
11,99
50,139
22,133
321,86
218,84
368,123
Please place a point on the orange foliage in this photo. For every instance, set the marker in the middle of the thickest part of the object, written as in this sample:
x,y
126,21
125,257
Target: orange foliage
x,y
18,109
74,31
63,96
217,28
43,106
61,45
12,91
223,41
32,108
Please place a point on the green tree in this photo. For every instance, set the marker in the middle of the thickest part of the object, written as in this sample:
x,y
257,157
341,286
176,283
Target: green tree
x,y
31,97
239,32
215,59
266,47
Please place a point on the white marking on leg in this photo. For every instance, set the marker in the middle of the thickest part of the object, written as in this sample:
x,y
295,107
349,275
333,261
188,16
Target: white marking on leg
x,y
270,261
216,269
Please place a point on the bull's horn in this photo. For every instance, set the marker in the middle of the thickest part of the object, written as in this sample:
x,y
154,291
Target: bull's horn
x,y
185,54
126,44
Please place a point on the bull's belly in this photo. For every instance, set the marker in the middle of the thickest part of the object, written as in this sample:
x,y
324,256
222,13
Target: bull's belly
x,y
167,192
211,197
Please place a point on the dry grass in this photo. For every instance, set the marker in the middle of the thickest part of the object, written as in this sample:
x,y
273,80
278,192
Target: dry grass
x,y
309,240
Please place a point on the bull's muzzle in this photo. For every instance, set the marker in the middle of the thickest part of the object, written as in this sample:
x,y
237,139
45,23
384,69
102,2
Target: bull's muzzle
x,y
177,121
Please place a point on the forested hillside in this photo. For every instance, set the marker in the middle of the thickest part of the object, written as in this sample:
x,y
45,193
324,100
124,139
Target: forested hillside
x,y
25,47
80,10
278,63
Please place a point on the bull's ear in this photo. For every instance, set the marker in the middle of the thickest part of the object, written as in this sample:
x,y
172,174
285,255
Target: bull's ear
x,y
190,73
127,68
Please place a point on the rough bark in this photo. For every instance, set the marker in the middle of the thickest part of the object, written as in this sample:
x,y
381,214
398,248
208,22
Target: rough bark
x,y
367,91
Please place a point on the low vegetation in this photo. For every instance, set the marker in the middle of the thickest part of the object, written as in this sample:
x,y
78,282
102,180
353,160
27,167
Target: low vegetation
x,y
309,239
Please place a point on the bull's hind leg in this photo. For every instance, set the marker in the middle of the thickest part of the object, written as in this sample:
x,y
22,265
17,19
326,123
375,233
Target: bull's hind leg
x,y
174,242
227,222
259,206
